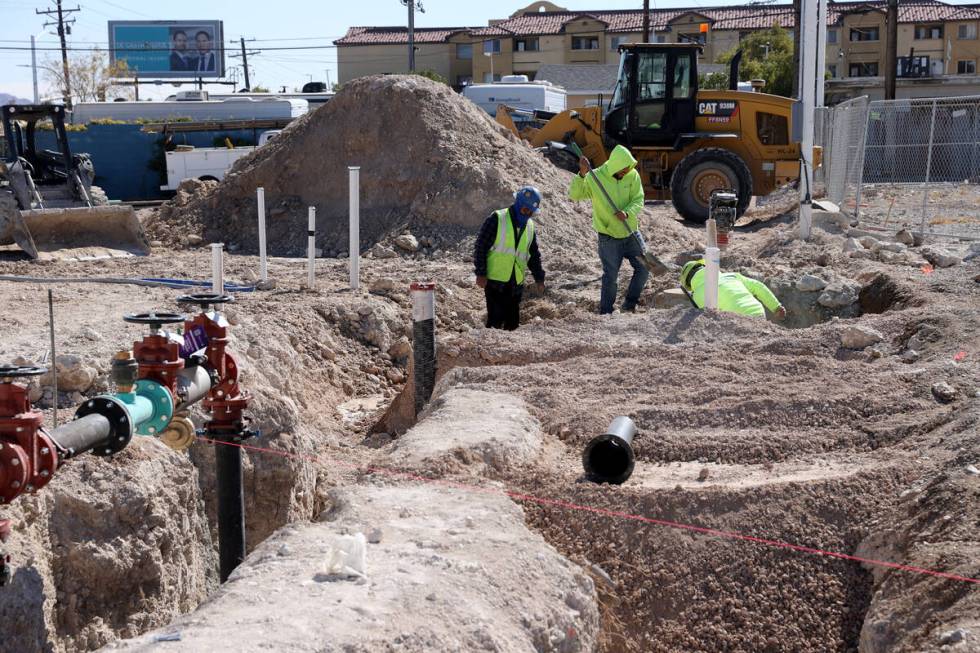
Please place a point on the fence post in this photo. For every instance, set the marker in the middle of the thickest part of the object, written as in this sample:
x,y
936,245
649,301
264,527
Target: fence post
x,y
925,191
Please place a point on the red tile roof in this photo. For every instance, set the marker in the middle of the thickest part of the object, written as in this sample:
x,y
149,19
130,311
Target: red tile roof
x,y
395,35
743,17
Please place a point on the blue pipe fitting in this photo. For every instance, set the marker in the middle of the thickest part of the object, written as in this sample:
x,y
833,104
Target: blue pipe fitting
x,y
155,405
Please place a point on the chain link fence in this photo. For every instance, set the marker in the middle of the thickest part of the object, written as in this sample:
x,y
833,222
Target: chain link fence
x,y
841,131
911,164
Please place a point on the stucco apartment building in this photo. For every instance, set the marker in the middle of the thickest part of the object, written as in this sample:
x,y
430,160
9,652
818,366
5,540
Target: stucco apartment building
x,y
938,43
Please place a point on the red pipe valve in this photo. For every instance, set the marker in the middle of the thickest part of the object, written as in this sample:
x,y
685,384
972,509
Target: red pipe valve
x,y
28,457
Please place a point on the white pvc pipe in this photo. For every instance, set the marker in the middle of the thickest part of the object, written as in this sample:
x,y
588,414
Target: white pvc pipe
x,y
354,246
712,268
263,264
217,269
311,249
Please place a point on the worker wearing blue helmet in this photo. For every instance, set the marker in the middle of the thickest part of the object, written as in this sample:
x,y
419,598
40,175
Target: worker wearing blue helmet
x,y
506,249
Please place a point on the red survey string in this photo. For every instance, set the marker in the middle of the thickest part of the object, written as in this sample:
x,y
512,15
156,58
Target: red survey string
x,y
520,496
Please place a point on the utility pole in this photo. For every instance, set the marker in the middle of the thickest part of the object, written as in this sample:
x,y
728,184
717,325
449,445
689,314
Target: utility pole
x,y
807,87
821,51
891,50
646,21
64,28
37,98
412,6
796,48
244,55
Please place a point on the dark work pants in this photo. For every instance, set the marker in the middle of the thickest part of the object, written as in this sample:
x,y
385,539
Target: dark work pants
x,y
503,306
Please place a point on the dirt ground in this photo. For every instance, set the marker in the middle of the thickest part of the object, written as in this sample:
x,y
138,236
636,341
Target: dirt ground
x,y
743,426
850,428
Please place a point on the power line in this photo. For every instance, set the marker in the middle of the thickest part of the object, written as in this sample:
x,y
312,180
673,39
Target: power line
x,y
118,49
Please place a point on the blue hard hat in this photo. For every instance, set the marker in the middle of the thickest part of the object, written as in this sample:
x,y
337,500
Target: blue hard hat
x,y
529,197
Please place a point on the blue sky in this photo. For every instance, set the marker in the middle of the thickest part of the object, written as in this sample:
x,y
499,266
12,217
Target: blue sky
x,y
316,22
277,24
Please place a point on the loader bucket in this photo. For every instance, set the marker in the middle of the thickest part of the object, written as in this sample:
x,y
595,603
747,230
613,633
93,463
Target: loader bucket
x,y
84,233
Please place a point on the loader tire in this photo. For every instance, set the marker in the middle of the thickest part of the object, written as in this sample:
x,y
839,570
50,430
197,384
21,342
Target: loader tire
x,y
704,171
98,196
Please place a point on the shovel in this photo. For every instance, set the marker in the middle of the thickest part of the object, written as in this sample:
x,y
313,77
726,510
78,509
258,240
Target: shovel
x,y
655,266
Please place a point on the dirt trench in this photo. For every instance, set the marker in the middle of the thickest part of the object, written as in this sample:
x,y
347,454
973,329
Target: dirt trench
x,y
748,428
745,426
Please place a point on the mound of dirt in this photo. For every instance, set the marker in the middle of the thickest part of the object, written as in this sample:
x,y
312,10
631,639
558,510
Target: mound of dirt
x,y
430,160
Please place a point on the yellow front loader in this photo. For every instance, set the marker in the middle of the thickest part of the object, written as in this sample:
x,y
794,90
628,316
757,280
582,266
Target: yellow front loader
x,y
688,143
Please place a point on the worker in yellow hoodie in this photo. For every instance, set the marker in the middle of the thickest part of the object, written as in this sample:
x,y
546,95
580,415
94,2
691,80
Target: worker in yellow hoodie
x,y
736,292
622,182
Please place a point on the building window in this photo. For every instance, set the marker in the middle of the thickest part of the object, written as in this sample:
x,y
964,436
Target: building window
x,y
692,38
967,32
832,70
464,50
530,44
488,78
864,69
831,36
585,42
491,47
923,32
864,34
661,38
616,41
966,67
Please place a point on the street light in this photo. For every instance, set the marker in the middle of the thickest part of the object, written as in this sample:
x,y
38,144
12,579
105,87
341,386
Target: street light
x,y
490,56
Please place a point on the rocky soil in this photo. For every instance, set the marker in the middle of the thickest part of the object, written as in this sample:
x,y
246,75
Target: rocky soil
x,y
851,427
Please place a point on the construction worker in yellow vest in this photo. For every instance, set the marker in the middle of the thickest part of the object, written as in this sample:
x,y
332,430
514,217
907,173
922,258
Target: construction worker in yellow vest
x,y
736,293
506,249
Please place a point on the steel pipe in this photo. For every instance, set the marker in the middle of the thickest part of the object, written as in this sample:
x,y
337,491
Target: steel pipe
x,y
609,458
193,384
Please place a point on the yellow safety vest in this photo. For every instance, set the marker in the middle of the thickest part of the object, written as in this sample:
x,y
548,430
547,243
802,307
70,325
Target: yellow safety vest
x,y
504,257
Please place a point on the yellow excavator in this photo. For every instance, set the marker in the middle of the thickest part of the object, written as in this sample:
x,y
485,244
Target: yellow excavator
x,y
48,205
688,142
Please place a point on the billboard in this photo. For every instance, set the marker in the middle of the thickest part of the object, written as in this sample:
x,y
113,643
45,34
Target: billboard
x,y
169,48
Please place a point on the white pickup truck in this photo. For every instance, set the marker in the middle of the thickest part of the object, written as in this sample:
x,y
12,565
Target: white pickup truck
x,y
206,163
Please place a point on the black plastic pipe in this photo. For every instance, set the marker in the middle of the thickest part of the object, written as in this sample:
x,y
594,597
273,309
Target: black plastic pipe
x,y
83,434
609,458
231,508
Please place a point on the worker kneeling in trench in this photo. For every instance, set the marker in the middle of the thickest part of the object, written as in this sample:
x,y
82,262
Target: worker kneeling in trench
x,y
736,293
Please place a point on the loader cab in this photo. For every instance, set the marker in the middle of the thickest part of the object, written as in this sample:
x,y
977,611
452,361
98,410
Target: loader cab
x,y
20,126
656,94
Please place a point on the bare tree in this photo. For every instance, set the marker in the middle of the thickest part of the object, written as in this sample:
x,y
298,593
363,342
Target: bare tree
x,y
91,77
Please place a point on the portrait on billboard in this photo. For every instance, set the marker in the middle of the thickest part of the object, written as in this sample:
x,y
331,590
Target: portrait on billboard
x,y
180,48
181,58
205,52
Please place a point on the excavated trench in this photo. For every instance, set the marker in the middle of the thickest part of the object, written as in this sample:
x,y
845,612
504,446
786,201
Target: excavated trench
x,y
787,437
